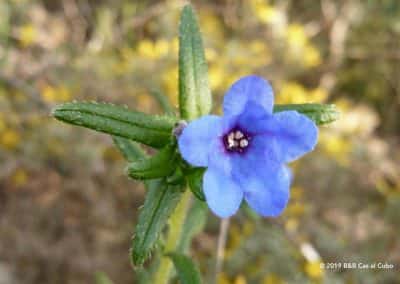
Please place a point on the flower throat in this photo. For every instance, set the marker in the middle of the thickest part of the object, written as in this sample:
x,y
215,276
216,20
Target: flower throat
x,y
236,141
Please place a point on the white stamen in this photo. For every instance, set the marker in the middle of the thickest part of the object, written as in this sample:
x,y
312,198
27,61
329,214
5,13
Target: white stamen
x,y
238,135
231,141
243,143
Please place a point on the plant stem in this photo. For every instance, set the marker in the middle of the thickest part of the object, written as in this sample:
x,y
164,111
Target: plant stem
x,y
223,233
176,223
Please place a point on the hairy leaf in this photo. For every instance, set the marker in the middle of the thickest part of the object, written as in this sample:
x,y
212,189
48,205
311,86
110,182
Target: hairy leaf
x,y
194,91
160,165
147,129
161,200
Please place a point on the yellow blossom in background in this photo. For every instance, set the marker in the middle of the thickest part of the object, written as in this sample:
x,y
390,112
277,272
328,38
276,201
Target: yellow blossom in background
x,y
312,266
9,139
153,50
174,46
53,94
169,81
211,26
311,56
19,178
2,123
161,47
222,278
210,54
273,279
296,193
145,48
335,146
216,76
240,279
27,35
144,102
293,93
300,48
295,209
296,37
270,15
291,224
314,270
265,13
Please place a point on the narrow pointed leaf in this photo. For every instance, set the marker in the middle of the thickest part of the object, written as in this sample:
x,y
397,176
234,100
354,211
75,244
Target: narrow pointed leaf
x,y
187,271
319,113
194,91
160,165
195,182
194,224
161,200
131,152
147,129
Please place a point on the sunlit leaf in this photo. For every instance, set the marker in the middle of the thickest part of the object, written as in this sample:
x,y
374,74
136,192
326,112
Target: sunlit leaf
x,y
194,91
161,200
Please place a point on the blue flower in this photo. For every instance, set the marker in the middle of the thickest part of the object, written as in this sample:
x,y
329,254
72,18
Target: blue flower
x,y
245,150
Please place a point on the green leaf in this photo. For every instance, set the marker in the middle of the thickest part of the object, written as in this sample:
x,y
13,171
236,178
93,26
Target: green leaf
x,y
151,130
319,113
195,181
188,273
194,224
160,165
161,200
194,92
129,149
177,177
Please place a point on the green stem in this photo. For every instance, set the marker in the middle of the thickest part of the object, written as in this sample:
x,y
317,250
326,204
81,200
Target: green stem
x,y
176,223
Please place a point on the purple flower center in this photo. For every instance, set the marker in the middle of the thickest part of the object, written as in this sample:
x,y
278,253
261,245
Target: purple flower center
x,y
236,140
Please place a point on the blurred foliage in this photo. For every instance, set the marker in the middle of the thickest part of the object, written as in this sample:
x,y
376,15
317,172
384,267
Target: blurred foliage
x,y
66,209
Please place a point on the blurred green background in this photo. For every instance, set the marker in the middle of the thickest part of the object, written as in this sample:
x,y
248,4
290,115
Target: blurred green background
x,y
68,212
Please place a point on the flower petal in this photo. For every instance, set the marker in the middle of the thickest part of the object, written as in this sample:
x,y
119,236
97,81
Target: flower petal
x,y
267,190
248,89
251,117
287,135
222,194
197,139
